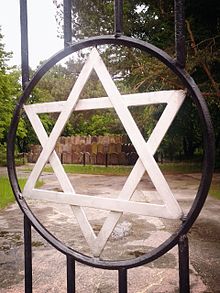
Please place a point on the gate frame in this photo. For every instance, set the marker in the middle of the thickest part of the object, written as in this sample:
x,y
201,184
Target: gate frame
x,y
177,66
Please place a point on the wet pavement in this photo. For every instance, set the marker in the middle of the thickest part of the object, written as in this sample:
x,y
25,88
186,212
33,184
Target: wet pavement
x,y
133,236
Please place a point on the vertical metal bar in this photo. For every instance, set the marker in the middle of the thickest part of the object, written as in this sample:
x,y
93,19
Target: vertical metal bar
x,y
118,5
70,274
180,33
67,22
27,255
183,264
24,43
122,281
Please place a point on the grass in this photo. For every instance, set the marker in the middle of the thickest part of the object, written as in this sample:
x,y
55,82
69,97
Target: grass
x,y
174,168
6,194
95,170
181,167
167,168
215,191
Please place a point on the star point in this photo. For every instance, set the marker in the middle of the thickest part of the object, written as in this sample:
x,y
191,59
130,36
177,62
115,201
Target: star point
x,y
145,151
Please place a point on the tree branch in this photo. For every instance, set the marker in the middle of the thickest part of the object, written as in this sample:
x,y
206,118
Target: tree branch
x,y
203,64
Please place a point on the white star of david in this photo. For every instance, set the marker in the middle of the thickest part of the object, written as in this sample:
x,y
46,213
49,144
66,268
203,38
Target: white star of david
x,y
145,150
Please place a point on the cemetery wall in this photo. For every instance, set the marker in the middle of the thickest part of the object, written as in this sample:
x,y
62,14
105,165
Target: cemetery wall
x,y
95,150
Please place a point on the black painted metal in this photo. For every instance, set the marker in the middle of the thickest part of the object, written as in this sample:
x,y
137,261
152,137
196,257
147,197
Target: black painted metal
x,y
27,255
118,10
180,33
184,283
67,22
208,161
24,43
122,281
70,274
177,66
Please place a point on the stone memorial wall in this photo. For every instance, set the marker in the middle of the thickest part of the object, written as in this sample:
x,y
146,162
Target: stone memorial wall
x,y
95,150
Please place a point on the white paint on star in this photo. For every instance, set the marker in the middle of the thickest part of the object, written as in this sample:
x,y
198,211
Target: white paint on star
x,y
169,209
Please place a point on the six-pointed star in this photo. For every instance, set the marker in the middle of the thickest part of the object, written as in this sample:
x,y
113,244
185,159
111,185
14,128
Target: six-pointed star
x,y
145,150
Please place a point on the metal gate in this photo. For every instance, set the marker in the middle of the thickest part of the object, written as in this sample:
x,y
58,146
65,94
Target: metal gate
x,y
179,238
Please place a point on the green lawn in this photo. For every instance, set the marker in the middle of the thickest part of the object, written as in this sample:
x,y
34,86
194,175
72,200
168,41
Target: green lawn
x,y
215,191
95,170
174,168
167,168
6,194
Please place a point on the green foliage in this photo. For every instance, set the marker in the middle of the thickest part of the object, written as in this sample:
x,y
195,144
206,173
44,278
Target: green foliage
x,y
152,21
9,91
2,154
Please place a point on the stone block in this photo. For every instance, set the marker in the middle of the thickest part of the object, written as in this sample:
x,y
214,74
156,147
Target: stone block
x,y
113,159
122,159
100,158
100,148
118,148
88,148
93,159
112,148
67,158
94,148
94,139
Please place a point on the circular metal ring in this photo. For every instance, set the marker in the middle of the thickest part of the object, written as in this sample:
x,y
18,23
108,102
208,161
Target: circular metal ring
x,y
208,160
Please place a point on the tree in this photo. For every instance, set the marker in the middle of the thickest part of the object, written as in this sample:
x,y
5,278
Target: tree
x,y
153,21
9,92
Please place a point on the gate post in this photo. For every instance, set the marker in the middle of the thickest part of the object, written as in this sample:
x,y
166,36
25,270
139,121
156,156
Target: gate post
x,y
70,274
183,249
27,255
122,280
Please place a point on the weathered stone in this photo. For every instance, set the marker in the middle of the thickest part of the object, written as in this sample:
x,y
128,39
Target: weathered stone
x,y
94,139
89,144
105,140
111,139
77,139
100,159
118,139
118,148
94,148
76,158
67,148
93,159
77,148
87,158
113,159
122,159
67,158
112,148
82,148
88,148
100,148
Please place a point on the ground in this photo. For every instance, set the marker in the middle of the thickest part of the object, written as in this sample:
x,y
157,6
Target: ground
x,y
132,237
